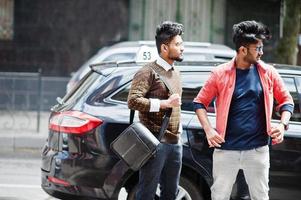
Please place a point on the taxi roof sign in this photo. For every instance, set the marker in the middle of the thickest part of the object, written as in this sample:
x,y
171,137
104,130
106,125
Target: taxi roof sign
x,y
146,54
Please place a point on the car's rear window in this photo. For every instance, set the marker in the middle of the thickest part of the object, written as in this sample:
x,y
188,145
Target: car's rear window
x,y
83,87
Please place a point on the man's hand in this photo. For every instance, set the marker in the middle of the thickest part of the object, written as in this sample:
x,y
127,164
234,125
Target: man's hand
x,y
213,138
173,101
277,133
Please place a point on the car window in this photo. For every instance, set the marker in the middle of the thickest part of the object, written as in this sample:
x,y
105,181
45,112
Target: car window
x,y
291,85
191,82
122,95
120,56
297,102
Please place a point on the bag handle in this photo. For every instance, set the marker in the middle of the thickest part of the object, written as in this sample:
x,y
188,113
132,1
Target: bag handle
x,y
164,123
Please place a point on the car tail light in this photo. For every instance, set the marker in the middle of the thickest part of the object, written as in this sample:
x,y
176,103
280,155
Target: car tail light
x,y
58,181
73,122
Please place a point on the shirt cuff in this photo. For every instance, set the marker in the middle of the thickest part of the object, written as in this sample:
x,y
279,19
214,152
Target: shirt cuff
x,y
287,107
180,128
154,105
198,106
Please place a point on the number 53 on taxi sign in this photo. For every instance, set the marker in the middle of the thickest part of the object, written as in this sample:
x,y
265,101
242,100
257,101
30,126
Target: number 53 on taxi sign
x,y
146,54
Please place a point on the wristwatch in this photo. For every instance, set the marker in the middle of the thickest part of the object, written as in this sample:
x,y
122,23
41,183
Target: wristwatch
x,y
285,124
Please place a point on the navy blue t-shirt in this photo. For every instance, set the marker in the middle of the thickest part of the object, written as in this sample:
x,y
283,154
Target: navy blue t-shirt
x,y
246,128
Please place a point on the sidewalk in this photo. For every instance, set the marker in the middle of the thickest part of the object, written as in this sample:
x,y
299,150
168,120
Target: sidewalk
x,y
18,132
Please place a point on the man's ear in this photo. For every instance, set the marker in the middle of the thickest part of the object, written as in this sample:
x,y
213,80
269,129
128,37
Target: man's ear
x,y
164,47
243,50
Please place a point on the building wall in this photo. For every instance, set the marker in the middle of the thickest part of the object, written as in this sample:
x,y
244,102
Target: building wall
x,y
299,47
265,11
6,19
203,19
59,35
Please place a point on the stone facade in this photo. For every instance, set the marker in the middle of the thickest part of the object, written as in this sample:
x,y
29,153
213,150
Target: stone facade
x,y
60,35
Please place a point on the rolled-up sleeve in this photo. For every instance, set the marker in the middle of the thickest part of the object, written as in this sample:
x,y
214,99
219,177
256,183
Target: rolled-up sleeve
x,y
198,106
207,93
281,94
287,107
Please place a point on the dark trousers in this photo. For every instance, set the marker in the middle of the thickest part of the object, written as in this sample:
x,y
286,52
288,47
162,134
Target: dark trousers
x,y
165,169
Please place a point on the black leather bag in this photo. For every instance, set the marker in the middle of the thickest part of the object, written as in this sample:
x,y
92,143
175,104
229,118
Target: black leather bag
x,y
137,144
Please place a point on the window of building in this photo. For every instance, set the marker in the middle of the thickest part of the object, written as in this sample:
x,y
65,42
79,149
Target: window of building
x,y
6,19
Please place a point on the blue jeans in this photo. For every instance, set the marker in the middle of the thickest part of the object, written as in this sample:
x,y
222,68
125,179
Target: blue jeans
x,y
165,169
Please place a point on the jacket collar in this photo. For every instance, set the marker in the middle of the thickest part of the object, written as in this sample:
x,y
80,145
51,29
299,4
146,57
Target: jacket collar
x,y
231,65
262,65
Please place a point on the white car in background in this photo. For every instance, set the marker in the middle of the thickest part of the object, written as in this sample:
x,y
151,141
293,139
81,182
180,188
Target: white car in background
x,y
147,51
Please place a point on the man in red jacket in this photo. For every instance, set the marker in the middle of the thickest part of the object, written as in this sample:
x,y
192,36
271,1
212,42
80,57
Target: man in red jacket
x,y
244,89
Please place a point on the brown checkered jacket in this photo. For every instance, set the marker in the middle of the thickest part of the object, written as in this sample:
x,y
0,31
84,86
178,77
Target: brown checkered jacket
x,y
147,84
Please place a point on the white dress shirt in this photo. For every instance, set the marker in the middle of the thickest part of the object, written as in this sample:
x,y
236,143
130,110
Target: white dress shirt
x,y
155,103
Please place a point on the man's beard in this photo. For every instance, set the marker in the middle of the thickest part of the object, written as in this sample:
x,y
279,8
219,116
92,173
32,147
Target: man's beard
x,y
251,60
178,59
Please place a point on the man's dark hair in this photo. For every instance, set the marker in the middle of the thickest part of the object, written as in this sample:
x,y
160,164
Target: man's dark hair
x,y
166,31
248,32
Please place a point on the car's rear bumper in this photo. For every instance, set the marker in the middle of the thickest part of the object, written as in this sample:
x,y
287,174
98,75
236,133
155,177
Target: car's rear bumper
x,y
61,191
86,175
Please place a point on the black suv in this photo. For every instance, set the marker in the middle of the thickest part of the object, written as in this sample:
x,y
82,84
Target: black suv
x,y
77,160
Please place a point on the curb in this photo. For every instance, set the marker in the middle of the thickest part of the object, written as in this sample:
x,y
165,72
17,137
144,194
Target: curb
x,y
22,134
15,143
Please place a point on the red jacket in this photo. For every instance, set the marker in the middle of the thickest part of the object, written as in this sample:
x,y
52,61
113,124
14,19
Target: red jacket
x,y
221,84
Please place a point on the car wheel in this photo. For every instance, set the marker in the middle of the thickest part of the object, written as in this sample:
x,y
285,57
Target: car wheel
x,y
187,191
